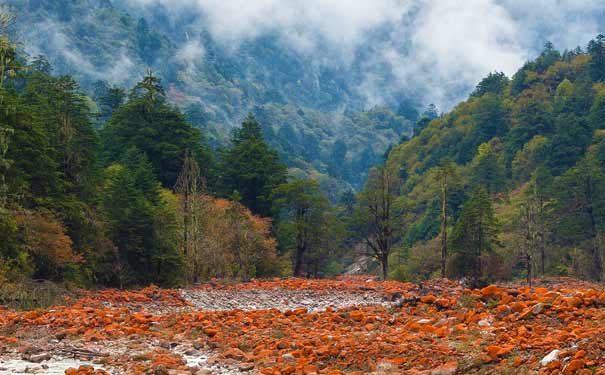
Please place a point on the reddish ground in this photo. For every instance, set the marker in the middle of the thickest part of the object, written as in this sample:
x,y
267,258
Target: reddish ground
x,y
435,328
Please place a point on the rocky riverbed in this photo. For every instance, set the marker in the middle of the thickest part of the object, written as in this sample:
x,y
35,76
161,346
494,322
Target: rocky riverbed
x,y
294,326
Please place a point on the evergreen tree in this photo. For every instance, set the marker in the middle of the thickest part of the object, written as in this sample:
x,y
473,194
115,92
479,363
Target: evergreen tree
x,y
302,211
486,169
494,83
596,117
108,98
579,207
489,119
427,116
339,165
141,225
531,116
148,42
473,236
568,143
250,168
147,123
596,49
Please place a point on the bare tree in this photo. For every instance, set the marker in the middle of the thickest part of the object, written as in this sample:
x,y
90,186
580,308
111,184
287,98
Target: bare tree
x,y
444,174
190,188
377,216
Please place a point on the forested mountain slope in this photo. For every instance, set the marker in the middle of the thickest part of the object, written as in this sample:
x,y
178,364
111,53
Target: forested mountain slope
x,y
535,145
308,110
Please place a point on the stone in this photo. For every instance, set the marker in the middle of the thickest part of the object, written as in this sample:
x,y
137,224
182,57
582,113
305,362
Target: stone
x,y
235,354
450,368
550,357
246,366
37,358
537,309
484,323
573,366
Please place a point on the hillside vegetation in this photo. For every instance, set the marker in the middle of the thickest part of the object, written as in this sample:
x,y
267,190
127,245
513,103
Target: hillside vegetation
x,y
313,114
514,176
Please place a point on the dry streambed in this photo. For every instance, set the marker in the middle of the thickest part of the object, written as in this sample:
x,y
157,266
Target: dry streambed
x,y
294,326
43,352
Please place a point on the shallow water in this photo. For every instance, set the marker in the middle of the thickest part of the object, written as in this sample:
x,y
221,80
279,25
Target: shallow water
x,y
55,367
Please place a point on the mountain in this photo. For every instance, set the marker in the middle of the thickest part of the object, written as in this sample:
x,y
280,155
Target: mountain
x,y
535,143
313,113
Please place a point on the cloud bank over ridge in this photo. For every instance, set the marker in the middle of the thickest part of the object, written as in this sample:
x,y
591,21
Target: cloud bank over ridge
x,y
440,45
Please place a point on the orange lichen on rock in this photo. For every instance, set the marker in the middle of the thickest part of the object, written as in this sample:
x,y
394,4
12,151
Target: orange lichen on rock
x,y
434,328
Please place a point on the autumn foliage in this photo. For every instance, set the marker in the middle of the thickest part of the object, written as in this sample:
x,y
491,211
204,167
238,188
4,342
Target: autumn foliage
x,y
231,242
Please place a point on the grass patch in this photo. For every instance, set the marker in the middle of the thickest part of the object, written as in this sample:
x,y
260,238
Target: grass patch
x,y
468,301
31,295
278,334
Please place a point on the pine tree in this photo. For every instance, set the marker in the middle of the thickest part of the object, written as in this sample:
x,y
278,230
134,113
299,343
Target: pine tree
x,y
487,170
579,207
302,210
141,225
596,49
596,117
250,168
445,173
149,124
473,236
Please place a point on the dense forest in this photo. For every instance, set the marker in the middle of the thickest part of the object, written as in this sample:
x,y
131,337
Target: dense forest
x,y
511,182
118,188
313,115
131,194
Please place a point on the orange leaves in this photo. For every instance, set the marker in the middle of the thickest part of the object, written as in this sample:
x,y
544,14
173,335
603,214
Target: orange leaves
x,y
45,236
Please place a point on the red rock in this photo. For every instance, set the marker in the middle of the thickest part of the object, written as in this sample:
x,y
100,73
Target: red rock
x,y
491,290
573,366
235,353
428,299
357,315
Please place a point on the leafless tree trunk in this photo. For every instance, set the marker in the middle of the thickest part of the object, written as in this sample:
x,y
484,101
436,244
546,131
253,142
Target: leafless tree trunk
x,y
378,199
444,255
190,186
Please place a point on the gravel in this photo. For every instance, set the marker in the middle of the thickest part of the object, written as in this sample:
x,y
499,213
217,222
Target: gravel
x,y
281,299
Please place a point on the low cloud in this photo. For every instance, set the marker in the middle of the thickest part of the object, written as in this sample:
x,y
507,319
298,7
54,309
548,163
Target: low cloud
x,y
437,49
432,50
49,38
190,54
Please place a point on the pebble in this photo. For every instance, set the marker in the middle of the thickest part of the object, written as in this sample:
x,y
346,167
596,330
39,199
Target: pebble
x,y
314,301
550,357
